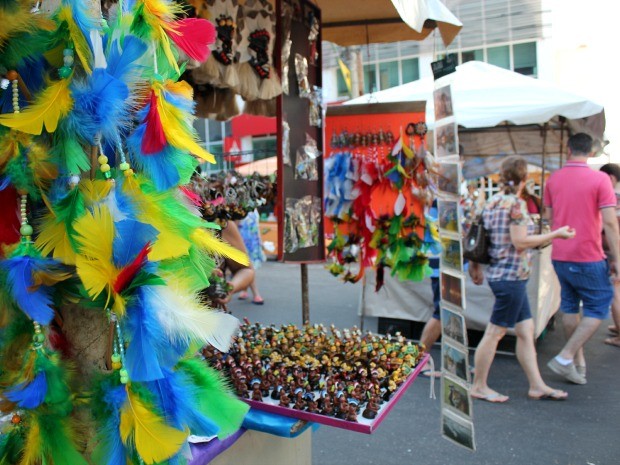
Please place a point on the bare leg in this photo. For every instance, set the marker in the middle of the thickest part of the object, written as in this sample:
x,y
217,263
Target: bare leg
x,y
430,333
580,334
571,322
255,292
615,314
485,353
526,354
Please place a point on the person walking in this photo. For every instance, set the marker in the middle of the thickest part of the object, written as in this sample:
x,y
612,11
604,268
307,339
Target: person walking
x,y
507,221
585,199
249,228
613,171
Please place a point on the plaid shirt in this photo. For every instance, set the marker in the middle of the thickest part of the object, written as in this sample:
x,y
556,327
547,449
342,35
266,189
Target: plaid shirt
x,y
502,211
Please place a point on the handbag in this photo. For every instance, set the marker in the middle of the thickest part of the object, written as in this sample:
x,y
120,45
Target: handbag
x,y
477,242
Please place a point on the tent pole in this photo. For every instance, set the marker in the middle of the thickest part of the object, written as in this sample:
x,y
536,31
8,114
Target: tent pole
x,y
542,178
561,141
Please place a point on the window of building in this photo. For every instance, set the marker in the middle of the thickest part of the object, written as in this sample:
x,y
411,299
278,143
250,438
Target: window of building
x,y
264,147
388,75
370,79
343,90
499,56
524,57
472,55
410,70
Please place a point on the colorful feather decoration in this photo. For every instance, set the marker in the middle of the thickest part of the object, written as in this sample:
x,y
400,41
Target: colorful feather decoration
x,y
215,399
53,104
184,319
29,395
73,14
193,36
50,439
109,400
169,120
206,239
153,439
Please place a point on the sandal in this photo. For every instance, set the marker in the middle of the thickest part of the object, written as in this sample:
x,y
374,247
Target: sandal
x,y
553,395
243,296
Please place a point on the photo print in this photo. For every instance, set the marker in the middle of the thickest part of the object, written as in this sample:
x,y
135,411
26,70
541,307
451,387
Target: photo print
x,y
448,216
455,396
455,360
457,429
451,254
442,99
446,140
453,326
449,178
452,289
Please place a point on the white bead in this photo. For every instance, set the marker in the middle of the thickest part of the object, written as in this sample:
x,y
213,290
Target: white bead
x,y
74,179
4,84
68,60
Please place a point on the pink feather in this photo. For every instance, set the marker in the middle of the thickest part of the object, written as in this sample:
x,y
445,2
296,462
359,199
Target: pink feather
x,y
154,139
192,196
193,36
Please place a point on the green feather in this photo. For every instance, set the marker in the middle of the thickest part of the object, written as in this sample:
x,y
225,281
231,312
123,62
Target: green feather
x,y
68,210
57,443
69,152
216,400
21,176
11,445
194,269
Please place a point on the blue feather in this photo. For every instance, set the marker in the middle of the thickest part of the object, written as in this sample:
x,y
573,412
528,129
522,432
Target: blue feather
x,y
145,356
131,237
5,181
29,395
36,304
167,169
180,102
85,21
99,106
175,396
110,450
123,65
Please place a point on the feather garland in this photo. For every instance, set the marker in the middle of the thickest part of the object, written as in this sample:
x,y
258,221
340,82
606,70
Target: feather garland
x,y
51,105
190,272
175,397
74,15
36,302
205,238
124,64
51,439
29,395
215,400
193,36
184,319
130,240
110,449
154,440
94,236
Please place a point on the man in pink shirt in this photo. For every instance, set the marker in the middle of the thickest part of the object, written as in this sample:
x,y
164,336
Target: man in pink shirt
x,y
584,199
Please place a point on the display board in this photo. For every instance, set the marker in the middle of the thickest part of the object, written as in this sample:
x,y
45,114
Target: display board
x,y
300,132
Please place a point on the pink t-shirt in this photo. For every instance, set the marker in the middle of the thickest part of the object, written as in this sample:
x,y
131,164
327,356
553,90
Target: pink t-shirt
x,y
576,193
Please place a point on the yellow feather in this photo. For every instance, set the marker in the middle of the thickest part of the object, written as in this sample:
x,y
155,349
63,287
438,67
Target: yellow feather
x,y
79,41
11,143
94,191
153,439
95,233
32,445
168,244
172,121
205,238
53,237
52,104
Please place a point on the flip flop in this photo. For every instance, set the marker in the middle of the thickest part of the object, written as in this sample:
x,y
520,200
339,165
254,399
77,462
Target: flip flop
x,y
258,302
612,341
553,395
493,398
435,374
243,296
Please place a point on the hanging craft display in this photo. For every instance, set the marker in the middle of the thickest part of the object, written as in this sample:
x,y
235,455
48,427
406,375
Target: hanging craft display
x,y
100,313
302,218
375,195
306,160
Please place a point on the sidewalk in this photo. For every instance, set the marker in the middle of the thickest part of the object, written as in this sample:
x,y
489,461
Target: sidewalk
x,y
584,430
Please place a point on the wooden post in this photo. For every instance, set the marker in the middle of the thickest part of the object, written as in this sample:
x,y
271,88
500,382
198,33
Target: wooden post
x,y
305,301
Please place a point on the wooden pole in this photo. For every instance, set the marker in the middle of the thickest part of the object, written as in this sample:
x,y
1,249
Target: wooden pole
x,y
305,300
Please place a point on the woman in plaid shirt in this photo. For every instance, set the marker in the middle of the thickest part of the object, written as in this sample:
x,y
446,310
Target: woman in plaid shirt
x,y
509,226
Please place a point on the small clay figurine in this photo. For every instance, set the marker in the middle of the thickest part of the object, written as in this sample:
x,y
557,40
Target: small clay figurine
x,y
300,404
257,394
312,407
284,399
327,408
370,412
351,413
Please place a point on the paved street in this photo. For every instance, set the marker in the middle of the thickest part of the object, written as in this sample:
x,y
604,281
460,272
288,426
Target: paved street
x,y
584,430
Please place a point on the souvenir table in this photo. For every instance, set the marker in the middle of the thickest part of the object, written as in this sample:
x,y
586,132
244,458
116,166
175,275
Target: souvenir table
x,y
414,301
343,379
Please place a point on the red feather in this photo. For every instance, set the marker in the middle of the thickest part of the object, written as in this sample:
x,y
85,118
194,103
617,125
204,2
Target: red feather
x,y
129,272
58,340
9,213
193,36
154,139
192,196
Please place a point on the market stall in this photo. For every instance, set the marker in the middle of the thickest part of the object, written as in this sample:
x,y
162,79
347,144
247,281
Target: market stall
x,y
499,113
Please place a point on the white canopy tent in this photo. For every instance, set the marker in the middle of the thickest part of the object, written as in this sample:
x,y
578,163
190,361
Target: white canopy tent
x,y
501,113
